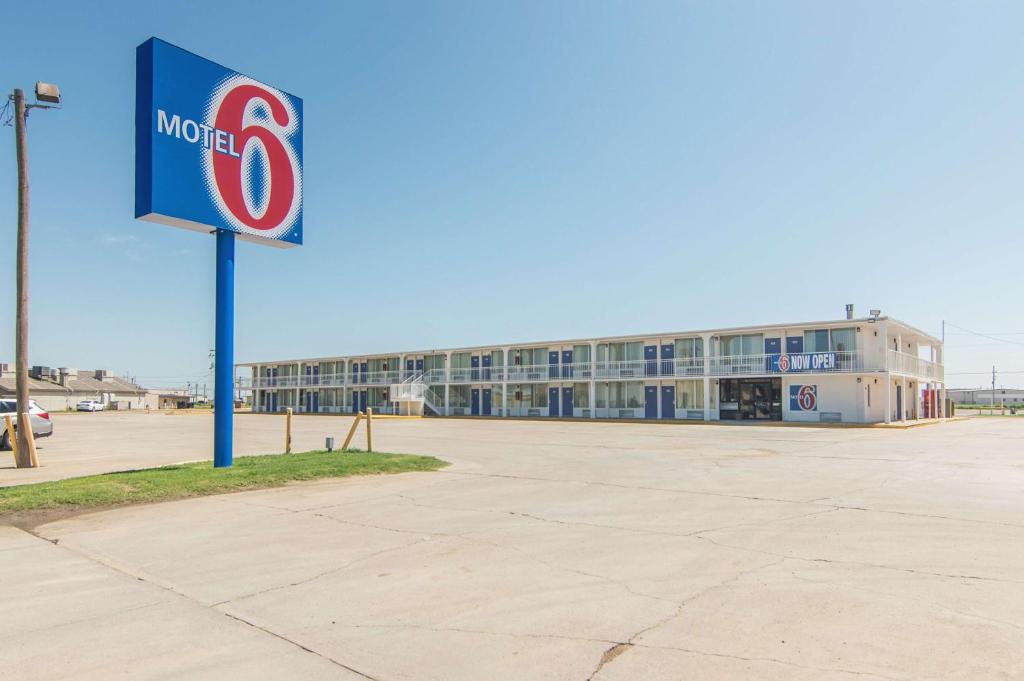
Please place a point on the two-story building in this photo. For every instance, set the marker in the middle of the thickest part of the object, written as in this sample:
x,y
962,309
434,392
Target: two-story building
x,y
867,370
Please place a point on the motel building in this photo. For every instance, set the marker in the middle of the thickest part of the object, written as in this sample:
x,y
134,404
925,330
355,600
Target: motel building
x,y
867,370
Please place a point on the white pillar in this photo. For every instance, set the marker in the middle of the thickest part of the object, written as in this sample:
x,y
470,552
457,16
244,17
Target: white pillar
x,y
447,384
888,395
706,338
903,401
592,385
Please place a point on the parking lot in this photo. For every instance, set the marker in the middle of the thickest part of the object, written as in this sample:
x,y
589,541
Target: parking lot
x,y
548,550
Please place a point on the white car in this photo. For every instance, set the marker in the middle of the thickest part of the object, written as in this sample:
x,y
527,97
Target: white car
x,y
89,405
42,426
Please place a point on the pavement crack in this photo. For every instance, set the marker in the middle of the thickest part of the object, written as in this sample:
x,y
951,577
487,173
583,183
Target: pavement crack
x,y
319,575
298,645
861,564
611,653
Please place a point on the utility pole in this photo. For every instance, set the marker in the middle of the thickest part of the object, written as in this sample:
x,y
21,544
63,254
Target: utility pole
x,y
21,315
45,92
993,411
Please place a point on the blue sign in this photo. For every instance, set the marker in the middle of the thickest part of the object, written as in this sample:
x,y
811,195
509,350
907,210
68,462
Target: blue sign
x,y
214,149
803,398
806,361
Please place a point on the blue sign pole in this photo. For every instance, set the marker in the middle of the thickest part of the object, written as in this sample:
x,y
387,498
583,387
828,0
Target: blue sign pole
x,y
224,378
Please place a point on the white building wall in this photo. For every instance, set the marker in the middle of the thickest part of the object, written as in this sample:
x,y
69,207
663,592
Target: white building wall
x,y
839,398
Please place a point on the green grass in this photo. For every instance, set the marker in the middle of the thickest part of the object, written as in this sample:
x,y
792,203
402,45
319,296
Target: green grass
x,y
202,479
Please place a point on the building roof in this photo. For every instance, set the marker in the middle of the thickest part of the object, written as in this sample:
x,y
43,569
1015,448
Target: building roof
x,y
85,384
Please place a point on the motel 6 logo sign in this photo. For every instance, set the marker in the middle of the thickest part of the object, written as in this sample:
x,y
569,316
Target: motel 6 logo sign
x,y
803,398
215,149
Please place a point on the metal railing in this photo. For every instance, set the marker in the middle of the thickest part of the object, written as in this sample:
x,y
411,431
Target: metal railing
x,y
910,365
686,367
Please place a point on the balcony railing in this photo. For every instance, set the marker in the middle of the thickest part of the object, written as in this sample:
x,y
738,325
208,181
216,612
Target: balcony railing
x,y
687,367
910,365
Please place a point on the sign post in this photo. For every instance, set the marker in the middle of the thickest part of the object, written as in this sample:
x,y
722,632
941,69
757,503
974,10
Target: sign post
x,y
217,152
224,369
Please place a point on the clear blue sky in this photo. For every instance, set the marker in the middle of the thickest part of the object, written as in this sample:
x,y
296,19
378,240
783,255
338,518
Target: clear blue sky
x,y
490,172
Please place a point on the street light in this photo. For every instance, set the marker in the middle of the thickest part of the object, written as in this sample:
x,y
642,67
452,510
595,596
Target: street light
x,y
49,93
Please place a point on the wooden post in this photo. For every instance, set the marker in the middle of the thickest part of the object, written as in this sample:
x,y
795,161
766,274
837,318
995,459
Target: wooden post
x,y
351,432
288,431
12,437
369,429
30,441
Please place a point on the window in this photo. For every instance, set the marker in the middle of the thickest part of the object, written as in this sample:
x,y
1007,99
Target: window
x,y
620,352
834,340
690,394
460,360
749,344
581,354
530,356
688,348
844,340
458,395
620,395
431,362
581,395
816,340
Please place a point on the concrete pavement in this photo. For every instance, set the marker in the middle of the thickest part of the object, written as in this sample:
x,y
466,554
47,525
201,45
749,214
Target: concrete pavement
x,y
555,551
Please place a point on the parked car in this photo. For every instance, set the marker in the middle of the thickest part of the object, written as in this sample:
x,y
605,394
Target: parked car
x,y
90,405
42,426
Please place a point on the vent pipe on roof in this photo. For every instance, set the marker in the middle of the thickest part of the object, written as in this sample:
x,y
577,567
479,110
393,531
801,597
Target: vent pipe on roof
x,y
849,310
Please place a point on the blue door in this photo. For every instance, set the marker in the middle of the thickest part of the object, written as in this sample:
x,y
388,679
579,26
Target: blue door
x,y
474,408
309,374
486,402
355,372
474,368
553,398
487,375
668,354
566,366
553,368
650,401
315,401
567,402
419,364
409,364
316,375
650,360
795,345
273,401
362,401
363,376
772,348
668,401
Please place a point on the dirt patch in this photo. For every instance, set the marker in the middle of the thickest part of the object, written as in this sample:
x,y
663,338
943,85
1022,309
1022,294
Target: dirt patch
x,y
30,520
610,655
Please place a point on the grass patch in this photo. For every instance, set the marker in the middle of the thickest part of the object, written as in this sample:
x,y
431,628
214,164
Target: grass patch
x,y
202,479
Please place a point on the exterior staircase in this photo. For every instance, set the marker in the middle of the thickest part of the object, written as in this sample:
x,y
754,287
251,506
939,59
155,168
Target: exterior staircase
x,y
415,397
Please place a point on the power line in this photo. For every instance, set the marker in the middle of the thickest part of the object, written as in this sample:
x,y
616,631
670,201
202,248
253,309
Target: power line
x,y
985,335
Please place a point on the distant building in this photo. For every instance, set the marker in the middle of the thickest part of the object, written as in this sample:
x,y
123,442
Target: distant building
x,y
61,389
172,398
1011,397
